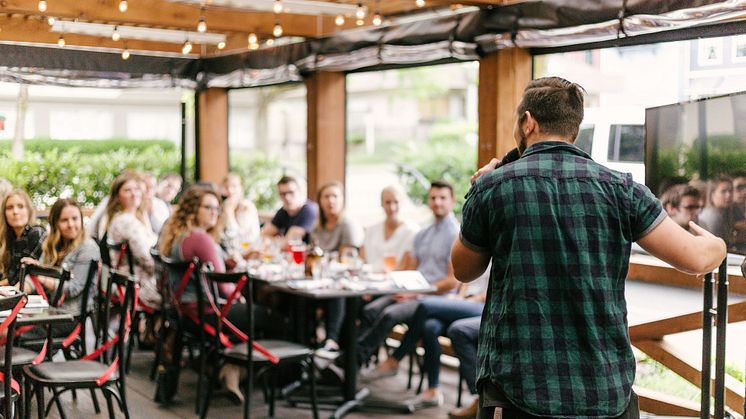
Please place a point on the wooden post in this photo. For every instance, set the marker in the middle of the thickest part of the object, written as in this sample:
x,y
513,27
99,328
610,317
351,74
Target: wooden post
x,y
212,135
326,151
502,77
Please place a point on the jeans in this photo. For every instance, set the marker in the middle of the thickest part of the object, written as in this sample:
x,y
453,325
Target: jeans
x,y
432,318
464,334
334,318
382,315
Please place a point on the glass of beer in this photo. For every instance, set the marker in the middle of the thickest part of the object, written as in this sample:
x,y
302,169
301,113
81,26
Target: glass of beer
x,y
389,262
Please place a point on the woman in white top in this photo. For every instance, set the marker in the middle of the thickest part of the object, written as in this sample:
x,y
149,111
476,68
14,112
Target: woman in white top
x,y
386,242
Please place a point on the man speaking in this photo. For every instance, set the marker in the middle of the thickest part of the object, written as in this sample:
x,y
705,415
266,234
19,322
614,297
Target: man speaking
x,y
558,228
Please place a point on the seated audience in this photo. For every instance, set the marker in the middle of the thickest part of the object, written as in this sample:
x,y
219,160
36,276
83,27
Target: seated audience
x,y
192,232
20,235
386,242
67,245
434,315
240,218
334,233
431,255
716,217
297,216
126,221
682,203
158,210
168,187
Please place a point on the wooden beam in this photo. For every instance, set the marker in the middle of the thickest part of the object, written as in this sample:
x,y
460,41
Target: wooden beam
x,y
663,404
691,369
213,135
502,78
684,323
326,151
166,14
650,269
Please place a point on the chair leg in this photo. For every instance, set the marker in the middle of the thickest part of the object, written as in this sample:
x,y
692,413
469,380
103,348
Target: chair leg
x,y
40,405
26,397
460,389
109,404
58,403
420,367
200,377
312,384
123,398
411,369
208,396
94,399
272,388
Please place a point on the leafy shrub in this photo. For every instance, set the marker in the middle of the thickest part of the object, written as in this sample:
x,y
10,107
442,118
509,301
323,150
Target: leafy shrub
x,y
260,175
88,146
85,177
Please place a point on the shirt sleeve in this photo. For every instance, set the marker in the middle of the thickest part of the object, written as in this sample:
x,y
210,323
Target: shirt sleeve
x,y
646,211
474,223
78,267
352,234
201,245
307,218
280,220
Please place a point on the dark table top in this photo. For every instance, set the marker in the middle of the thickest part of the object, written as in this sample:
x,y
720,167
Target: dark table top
x,y
51,315
325,293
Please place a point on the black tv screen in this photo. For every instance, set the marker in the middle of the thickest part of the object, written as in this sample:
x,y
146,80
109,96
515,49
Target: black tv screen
x,y
699,143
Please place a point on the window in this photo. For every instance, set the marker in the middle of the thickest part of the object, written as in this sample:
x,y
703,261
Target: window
x,y
584,140
739,48
626,143
710,51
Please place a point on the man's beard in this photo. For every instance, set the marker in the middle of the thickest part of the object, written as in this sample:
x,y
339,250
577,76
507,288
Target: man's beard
x,y
521,141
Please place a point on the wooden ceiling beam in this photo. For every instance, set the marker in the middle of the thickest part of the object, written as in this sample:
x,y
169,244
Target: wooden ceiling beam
x,y
165,14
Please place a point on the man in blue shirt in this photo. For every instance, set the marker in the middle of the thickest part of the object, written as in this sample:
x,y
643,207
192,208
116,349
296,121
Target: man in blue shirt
x,y
431,256
296,217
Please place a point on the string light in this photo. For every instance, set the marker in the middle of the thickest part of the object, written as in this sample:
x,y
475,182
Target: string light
x,y
115,35
202,25
221,44
360,22
61,41
269,42
253,46
277,30
360,12
253,38
339,20
186,48
420,3
42,6
123,6
277,6
51,20
377,19
126,53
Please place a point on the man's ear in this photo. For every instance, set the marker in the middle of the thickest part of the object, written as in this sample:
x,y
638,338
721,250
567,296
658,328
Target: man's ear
x,y
528,124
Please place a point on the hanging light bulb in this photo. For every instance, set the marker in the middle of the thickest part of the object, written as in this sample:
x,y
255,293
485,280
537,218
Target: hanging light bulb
x,y
339,20
420,3
202,25
42,6
269,42
51,20
186,48
277,6
360,22
253,46
123,6
252,38
126,53
115,35
277,30
61,41
377,19
360,11
221,44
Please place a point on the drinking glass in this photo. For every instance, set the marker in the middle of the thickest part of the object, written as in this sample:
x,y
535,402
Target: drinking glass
x,y
389,262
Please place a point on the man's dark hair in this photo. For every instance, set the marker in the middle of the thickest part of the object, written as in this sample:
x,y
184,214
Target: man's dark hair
x,y
673,195
286,179
441,184
556,104
738,173
170,175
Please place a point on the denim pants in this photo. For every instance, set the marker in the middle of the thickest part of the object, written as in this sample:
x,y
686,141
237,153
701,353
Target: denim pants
x,y
464,334
433,316
378,318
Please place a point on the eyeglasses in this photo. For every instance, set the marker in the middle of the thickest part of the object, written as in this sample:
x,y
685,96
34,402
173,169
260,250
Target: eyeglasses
x,y
287,193
211,208
692,207
741,187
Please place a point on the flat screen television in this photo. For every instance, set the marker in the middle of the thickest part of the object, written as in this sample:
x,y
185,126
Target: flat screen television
x,y
696,141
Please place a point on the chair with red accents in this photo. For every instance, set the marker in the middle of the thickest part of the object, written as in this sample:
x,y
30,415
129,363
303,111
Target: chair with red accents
x,y
103,369
10,390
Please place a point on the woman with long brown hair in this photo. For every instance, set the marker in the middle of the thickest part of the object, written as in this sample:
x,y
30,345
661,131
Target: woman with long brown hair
x,y
20,236
126,221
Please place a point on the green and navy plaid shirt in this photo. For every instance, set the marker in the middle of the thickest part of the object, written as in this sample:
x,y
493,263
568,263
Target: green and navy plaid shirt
x,y
559,228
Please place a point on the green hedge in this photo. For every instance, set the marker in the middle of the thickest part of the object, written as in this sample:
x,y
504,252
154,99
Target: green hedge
x,y
260,175
41,145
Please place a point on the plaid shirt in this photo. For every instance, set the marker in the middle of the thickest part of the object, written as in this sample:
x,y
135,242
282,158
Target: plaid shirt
x,y
559,229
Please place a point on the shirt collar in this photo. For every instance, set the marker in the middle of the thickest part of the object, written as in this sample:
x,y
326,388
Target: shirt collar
x,y
556,146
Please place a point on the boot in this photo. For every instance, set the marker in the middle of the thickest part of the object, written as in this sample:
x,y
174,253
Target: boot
x,y
468,412
230,376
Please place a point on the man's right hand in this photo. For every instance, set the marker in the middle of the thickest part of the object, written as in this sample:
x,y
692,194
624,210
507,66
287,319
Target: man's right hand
x,y
492,165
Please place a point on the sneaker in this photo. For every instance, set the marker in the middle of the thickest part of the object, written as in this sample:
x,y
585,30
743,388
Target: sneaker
x,y
421,403
329,351
376,374
468,412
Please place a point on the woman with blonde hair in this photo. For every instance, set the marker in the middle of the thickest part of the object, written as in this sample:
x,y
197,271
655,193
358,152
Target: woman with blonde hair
x,y
387,242
126,221
240,218
20,236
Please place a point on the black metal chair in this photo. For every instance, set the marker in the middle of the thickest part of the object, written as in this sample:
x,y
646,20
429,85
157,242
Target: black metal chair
x,y
269,355
96,370
10,389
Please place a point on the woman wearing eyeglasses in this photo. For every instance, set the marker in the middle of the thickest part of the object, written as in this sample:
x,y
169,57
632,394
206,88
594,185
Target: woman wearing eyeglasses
x,y
193,231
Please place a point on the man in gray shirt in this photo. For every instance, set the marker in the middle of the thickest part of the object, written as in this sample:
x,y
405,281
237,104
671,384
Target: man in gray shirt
x,y
431,255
